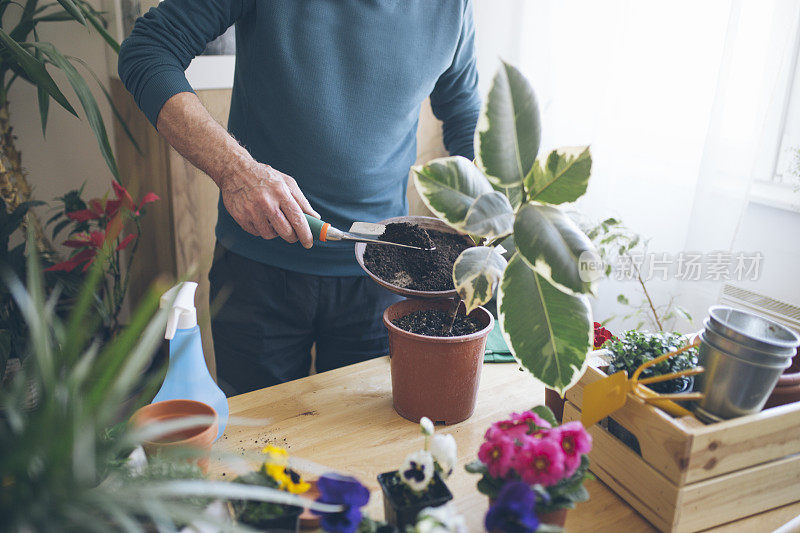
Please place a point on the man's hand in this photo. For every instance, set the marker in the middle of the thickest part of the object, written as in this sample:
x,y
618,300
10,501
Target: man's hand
x,y
262,200
267,203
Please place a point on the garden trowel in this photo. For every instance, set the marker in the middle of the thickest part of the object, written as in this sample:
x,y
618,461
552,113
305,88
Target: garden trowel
x,y
606,395
359,232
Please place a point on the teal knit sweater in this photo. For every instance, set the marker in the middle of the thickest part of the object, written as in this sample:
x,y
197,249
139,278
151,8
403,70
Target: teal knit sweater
x,y
327,91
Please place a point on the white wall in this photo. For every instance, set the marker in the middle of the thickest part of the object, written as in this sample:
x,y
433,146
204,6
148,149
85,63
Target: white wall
x,y
68,155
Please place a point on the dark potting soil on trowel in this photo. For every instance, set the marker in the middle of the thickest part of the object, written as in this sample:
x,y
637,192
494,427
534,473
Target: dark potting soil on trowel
x,y
422,270
433,322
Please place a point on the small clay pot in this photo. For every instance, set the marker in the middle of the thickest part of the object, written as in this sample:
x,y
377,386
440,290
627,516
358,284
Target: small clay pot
x,y
198,438
437,377
787,390
554,518
308,520
555,402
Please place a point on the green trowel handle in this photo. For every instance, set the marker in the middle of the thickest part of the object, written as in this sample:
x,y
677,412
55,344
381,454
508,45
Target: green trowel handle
x,y
319,229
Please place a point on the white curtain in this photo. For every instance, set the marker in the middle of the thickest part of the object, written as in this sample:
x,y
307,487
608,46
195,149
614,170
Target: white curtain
x,y
681,102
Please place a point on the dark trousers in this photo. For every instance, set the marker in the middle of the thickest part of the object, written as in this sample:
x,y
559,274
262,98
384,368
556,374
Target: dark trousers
x,y
270,317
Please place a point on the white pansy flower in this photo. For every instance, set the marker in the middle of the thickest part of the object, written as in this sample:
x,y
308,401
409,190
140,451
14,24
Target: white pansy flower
x,y
426,425
442,519
417,470
445,453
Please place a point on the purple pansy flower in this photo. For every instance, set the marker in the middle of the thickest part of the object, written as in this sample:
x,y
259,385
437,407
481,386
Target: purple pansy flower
x,y
342,490
514,510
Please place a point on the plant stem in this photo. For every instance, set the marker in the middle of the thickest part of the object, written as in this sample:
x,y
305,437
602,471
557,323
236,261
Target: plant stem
x,y
453,313
647,295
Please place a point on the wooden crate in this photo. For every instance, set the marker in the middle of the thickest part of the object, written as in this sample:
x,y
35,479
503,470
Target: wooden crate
x,y
690,476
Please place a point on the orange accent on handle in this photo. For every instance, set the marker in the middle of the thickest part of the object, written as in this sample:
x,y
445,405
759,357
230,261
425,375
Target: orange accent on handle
x,y
323,233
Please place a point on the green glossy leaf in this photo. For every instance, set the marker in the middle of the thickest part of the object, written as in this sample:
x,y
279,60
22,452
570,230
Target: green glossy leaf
x,y
563,177
546,413
42,96
548,331
475,274
111,104
98,25
555,247
56,16
87,100
34,70
449,186
70,7
509,131
489,216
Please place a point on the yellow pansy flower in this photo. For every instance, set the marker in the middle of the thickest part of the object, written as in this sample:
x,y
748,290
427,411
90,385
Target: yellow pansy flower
x,y
276,455
287,479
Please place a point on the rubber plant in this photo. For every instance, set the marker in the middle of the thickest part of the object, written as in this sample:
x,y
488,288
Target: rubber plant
x,y
24,56
509,197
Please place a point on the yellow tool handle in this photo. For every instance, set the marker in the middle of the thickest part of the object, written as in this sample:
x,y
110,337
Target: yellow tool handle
x,y
674,375
661,358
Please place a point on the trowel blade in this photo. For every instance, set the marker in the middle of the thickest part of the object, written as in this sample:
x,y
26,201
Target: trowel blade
x,y
367,228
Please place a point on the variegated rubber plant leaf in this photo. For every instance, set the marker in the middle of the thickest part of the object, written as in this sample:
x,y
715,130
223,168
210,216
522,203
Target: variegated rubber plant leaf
x,y
555,247
549,331
449,186
490,216
563,177
509,133
475,274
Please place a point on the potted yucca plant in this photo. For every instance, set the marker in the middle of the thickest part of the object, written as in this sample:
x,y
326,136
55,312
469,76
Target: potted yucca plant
x,y
64,461
531,253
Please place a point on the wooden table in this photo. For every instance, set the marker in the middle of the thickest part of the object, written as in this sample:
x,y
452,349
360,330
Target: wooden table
x,y
344,420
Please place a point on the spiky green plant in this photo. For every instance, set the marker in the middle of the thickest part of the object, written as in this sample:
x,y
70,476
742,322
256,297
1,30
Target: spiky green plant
x,y
62,462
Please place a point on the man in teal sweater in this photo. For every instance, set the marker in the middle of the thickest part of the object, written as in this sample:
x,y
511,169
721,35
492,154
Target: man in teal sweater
x,y
323,120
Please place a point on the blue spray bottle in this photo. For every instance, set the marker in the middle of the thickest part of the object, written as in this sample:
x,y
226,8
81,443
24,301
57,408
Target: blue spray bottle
x,y
187,376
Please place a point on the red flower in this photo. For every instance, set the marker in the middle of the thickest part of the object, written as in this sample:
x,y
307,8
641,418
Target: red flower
x,y
497,454
540,461
601,335
108,208
124,198
575,441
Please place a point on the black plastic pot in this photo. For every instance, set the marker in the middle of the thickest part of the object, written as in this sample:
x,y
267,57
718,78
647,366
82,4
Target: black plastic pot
x,y
401,514
288,521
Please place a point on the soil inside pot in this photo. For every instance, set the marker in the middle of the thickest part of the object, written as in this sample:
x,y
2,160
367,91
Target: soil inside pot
x,y
422,270
402,496
434,323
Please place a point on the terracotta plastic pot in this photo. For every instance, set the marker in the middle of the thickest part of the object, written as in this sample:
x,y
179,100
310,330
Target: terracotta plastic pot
x,y
554,518
555,403
437,377
198,438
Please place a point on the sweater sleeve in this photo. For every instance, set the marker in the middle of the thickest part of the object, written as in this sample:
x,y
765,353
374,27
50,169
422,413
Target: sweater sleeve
x,y
455,99
153,58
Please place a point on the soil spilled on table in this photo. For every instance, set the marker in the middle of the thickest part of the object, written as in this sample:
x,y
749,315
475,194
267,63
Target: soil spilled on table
x,y
434,323
422,270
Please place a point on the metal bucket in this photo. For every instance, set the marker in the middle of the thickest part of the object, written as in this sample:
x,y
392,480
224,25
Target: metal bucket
x,y
733,386
742,351
752,330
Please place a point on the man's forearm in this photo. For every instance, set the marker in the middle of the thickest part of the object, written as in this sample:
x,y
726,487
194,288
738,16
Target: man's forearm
x,y
186,125
261,199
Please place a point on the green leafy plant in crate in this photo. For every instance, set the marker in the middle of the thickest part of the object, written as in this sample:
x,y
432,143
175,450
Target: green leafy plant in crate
x,y
509,197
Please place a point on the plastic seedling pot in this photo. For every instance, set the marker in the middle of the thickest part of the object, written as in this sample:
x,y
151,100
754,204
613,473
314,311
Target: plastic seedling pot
x,y
400,513
289,521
